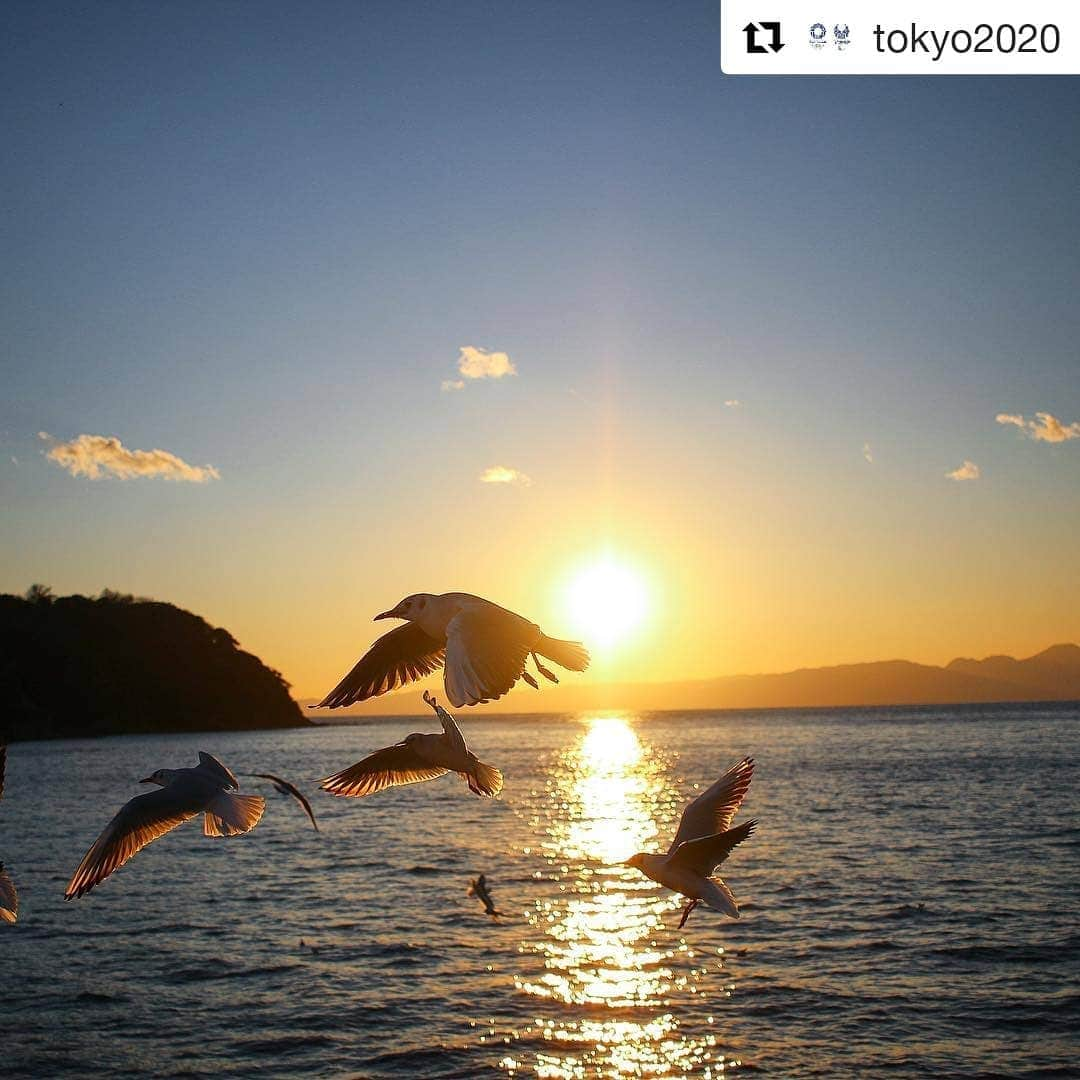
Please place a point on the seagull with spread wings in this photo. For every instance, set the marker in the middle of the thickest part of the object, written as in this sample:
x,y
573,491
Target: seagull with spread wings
x,y
417,758
9,897
484,648
283,787
704,840
184,793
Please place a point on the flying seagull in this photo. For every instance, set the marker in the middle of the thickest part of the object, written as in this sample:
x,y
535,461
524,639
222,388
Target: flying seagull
x,y
184,793
417,758
703,842
483,646
9,898
285,788
479,888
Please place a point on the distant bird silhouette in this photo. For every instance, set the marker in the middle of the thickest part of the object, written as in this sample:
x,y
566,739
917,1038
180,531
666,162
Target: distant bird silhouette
x,y
285,788
479,888
418,758
184,793
484,648
703,841
9,897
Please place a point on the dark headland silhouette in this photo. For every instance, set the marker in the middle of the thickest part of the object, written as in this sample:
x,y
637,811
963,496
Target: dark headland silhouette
x,y
1051,675
74,666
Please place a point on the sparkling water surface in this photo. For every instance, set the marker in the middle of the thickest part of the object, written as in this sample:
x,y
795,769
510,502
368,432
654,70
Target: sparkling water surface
x,y
909,906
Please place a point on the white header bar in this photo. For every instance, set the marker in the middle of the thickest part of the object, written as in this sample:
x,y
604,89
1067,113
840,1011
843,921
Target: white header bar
x,y
894,37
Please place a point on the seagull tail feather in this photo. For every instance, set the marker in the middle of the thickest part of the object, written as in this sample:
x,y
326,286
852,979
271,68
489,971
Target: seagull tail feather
x,y
571,655
231,815
484,779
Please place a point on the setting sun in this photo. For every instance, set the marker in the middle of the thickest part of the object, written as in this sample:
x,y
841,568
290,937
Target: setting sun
x,y
606,600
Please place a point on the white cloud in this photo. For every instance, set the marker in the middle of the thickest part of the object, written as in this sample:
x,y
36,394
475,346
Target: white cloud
x,y
503,474
1044,428
733,403
95,456
968,471
867,452
476,363
450,385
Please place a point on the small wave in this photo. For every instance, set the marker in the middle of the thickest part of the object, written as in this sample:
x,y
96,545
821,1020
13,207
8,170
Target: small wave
x,y
908,911
1050,953
224,971
283,1044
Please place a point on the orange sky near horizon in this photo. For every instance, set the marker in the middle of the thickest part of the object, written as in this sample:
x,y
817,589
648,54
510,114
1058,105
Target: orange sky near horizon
x,y
723,593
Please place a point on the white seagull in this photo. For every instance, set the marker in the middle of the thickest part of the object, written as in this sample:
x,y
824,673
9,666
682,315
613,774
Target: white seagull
x,y
418,758
9,897
484,648
184,793
703,842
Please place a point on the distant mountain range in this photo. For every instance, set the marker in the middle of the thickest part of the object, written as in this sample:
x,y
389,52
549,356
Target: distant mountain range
x,y
1052,675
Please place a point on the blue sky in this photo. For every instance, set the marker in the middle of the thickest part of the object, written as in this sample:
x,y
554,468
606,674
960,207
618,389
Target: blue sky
x,y
257,236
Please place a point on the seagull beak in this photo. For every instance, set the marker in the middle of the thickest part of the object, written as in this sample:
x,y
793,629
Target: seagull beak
x,y
391,614
148,780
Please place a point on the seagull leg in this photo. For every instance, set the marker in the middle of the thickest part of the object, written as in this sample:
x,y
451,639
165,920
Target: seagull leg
x,y
529,679
430,699
686,912
543,670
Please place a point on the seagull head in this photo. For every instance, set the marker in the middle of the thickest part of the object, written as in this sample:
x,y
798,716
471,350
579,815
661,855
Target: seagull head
x,y
158,777
411,608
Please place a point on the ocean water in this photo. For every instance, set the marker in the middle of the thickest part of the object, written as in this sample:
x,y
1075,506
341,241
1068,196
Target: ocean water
x,y
909,906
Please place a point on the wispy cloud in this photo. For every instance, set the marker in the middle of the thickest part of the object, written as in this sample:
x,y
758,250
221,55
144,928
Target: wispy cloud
x,y
968,471
867,452
503,474
733,403
450,385
95,456
1044,428
476,363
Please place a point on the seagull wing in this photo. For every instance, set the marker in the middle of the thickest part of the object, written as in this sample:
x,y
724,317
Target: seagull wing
x,y
397,658
703,855
294,791
143,819
452,731
210,764
9,898
389,767
711,812
486,649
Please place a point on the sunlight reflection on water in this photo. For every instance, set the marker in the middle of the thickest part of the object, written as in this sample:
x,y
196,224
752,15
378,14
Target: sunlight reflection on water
x,y
606,952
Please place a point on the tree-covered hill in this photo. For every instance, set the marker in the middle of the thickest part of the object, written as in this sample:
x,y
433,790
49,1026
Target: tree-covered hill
x,y
74,666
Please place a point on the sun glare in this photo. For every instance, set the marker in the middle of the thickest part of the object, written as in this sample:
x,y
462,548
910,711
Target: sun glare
x,y
607,601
